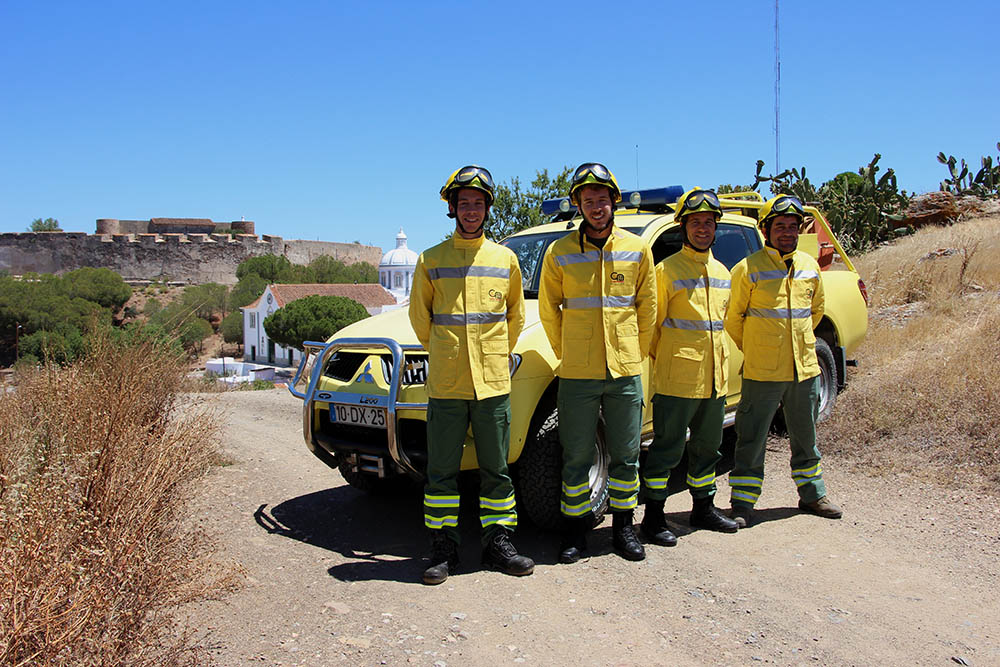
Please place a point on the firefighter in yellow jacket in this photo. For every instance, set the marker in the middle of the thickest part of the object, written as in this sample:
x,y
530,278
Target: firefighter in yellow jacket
x,y
776,303
690,371
597,303
467,309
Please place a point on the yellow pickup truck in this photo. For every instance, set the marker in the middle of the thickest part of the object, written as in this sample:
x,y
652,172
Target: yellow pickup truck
x,y
364,405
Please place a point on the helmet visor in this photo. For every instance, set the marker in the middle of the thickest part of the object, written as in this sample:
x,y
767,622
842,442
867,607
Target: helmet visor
x,y
784,204
468,174
595,169
698,197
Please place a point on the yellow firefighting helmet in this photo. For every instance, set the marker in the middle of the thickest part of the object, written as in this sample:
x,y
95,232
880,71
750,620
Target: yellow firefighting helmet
x,y
593,173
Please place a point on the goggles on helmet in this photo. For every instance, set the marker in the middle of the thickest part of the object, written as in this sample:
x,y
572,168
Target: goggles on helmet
x,y
595,169
783,204
698,197
468,174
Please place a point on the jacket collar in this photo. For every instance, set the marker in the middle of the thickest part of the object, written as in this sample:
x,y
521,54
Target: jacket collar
x,y
695,255
464,243
777,256
615,234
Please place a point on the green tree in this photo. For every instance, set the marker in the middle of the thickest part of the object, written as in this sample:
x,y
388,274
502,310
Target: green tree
x,y
101,286
232,327
60,348
193,332
206,300
268,267
246,291
312,318
515,209
46,225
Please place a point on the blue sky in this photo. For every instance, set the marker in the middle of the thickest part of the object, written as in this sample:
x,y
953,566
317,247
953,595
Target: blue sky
x,y
340,121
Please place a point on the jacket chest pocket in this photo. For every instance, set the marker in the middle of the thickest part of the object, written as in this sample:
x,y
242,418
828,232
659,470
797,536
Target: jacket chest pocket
x,y
495,362
621,280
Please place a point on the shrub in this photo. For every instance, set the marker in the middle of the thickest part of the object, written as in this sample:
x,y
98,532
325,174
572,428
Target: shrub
x,y
95,461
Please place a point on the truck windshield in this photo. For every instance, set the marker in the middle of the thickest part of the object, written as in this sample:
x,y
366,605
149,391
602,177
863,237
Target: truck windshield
x,y
530,249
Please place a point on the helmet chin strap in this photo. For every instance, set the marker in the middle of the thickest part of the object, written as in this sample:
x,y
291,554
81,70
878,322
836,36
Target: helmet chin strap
x,y
479,230
586,224
687,241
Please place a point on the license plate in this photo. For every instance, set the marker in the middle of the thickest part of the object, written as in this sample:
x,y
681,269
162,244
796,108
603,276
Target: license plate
x,y
359,415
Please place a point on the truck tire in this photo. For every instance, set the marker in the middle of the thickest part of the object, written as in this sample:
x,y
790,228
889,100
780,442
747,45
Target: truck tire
x,y
539,470
827,394
370,483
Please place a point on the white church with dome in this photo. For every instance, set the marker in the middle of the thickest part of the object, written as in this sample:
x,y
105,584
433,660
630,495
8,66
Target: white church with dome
x,y
395,271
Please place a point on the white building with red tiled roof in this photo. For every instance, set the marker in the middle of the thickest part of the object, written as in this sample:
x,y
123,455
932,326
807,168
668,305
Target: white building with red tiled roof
x,y
258,347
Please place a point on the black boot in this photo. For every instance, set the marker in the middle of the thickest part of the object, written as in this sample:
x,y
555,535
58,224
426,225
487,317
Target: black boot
x,y
654,525
444,558
501,555
573,546
704,514
623,537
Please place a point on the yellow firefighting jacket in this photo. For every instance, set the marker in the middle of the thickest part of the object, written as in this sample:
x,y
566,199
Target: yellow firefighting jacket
x,y
773,310
467,309
691,356
598,306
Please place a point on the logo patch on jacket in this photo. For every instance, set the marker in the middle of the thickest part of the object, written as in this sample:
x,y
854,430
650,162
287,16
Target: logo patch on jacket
x,y
617,277
496,295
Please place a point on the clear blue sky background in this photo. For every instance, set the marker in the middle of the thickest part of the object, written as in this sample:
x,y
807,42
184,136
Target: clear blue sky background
x,y
340,121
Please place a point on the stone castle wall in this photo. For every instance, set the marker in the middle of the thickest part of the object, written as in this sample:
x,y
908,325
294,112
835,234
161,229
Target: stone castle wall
x,y
140,255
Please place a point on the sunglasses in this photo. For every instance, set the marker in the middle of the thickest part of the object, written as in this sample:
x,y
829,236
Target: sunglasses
x,y
696,198
471,173
596,169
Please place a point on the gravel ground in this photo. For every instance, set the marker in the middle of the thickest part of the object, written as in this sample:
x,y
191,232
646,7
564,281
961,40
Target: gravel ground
x,y
909,576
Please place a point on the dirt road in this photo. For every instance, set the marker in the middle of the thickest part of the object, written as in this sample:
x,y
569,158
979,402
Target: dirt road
x,y
909,576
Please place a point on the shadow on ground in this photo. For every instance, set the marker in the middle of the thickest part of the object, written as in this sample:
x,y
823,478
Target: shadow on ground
x,y
382,537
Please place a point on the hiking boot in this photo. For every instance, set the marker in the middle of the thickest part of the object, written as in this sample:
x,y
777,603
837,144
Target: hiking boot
x,y
742,516
704,514
654,525
573,545
444,559
623,537
822,507
501,555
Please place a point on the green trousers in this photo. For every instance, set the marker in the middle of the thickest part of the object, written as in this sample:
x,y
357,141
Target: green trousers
x,y
447,423
672,416
579,403
758,404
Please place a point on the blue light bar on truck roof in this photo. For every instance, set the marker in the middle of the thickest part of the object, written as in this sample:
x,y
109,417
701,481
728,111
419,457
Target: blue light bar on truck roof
x,y
642,199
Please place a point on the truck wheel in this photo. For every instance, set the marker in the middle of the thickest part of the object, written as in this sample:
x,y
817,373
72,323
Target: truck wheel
x,y
539,470
827,379
370,483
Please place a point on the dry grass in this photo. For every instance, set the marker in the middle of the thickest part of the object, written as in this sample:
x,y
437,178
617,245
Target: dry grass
x,y
925,400
96,463
934,264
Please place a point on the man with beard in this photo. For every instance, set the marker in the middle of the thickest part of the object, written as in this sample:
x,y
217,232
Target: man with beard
x,y
690,371
776,303
467,309
597,303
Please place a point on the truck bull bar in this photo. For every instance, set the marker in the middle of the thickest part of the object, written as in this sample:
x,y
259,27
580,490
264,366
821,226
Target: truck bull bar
x,y
310,370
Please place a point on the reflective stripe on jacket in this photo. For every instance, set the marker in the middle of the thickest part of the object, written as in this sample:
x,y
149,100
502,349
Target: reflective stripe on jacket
x,y
691,356
598,305
467,309
773,310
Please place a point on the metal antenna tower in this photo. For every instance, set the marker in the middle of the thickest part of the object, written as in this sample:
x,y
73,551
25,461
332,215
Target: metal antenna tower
x,y
777,94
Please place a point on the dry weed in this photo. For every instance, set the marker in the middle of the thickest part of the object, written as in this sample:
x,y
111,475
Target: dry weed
x,y
934,264
925,400
95,468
